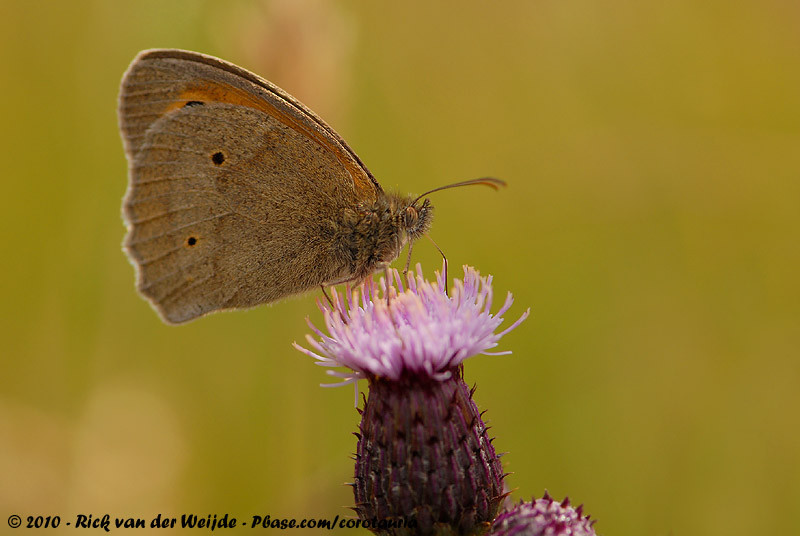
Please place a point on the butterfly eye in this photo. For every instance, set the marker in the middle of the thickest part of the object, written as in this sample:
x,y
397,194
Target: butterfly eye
x,y
410,217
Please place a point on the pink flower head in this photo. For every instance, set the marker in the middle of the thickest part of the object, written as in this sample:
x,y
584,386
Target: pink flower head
x,y
420,330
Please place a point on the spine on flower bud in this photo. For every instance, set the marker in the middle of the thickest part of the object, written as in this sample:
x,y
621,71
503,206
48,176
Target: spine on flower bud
x,y
424,458
542,517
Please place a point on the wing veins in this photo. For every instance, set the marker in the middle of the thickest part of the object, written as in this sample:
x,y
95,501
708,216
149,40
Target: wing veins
x,y
175,229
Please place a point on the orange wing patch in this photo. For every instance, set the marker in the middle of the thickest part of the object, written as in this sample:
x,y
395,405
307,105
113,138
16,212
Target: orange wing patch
x,y
211,91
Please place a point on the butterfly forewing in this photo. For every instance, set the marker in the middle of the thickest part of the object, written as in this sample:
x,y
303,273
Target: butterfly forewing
x,y
223,170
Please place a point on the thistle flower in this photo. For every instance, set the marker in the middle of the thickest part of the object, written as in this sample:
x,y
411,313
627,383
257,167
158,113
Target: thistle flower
x,y
424,461
419,331
543,517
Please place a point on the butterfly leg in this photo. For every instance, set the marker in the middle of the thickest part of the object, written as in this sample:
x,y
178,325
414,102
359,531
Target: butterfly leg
x,y
330,301
386,275
327,296
408,263
445,260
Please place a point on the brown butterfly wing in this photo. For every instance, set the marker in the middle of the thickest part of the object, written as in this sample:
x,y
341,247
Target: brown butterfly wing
x,y
235,188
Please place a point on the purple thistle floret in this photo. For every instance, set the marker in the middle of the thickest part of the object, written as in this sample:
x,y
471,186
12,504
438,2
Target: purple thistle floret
x,y
421,330
543,517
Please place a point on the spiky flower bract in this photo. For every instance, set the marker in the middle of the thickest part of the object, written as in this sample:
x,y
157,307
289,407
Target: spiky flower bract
x,y
543,517
424,460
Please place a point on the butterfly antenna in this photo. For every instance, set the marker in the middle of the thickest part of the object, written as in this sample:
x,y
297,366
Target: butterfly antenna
x,y
491,182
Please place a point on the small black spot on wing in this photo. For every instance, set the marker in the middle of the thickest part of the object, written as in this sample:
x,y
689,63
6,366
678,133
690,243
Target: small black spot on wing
x,y
218,158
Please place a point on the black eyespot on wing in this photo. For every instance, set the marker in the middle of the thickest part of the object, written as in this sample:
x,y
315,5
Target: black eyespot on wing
x,y
218,158
193,103
191,241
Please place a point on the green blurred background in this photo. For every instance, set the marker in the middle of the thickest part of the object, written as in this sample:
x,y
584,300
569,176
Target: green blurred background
x,y
651,223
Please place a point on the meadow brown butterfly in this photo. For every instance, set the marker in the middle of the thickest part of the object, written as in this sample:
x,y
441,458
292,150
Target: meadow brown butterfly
x,y
240,195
